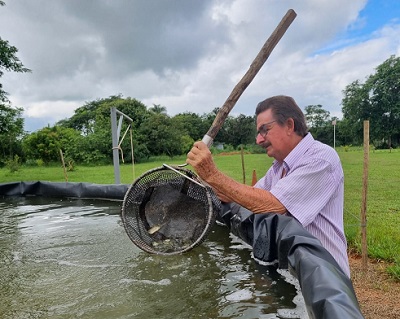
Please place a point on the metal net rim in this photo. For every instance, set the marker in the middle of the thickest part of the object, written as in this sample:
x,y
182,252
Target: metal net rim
x,y
210,216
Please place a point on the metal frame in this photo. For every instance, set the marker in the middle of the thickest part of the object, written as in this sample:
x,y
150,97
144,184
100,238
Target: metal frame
x,y
115,131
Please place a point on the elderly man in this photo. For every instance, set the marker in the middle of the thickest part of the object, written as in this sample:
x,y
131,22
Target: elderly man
x,y
305,180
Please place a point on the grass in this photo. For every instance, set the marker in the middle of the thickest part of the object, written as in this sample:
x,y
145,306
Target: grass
x,y
383,204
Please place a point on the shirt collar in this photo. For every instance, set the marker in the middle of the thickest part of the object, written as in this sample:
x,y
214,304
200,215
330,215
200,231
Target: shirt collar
x,y
296,153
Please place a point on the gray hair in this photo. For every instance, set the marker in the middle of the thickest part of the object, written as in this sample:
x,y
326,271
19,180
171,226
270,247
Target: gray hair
x,y
283,108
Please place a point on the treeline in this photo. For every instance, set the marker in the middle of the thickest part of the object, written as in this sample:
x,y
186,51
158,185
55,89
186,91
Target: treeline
x,y
86,136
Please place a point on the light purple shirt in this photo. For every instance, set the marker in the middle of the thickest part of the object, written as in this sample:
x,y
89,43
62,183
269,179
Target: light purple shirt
x,y
312,191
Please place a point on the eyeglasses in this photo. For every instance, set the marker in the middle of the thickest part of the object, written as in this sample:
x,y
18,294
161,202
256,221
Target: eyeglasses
x,y
264,129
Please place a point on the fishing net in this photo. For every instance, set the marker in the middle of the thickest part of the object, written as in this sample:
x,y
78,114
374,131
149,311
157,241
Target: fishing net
x,y
169,211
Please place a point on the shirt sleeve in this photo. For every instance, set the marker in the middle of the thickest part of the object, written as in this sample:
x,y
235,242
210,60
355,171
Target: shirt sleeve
x,y
307,189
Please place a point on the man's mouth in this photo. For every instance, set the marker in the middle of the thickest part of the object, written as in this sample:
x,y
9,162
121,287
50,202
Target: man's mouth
x,y
265,145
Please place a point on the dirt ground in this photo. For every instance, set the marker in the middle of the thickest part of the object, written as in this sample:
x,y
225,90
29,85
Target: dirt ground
x,y
377,293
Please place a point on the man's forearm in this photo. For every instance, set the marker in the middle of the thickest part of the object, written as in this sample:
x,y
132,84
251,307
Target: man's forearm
x,y
254,199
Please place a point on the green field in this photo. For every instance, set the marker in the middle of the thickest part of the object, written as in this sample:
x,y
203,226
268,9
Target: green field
x,y
383,205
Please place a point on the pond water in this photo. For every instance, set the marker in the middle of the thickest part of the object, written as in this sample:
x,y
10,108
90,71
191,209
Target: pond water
x,y
71,258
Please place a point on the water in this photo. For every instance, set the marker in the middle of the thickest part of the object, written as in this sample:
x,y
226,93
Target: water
x,y
62,258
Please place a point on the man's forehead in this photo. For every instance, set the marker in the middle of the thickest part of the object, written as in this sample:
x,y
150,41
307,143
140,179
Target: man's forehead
x,y
264,117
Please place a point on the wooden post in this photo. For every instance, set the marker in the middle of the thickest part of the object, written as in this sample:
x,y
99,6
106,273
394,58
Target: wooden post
x,y
133,156
334,133
364,247
243,170
254,180
63,164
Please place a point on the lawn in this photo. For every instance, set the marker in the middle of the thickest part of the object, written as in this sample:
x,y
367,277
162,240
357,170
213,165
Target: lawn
x,y
383,202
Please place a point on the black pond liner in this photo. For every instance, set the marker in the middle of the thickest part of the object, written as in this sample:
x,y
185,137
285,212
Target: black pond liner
x,y
327,291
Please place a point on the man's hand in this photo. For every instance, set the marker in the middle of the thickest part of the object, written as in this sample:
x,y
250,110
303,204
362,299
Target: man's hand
x,y
201,160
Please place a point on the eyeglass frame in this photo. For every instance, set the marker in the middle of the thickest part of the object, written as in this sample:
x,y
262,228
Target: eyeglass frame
x,y
263,130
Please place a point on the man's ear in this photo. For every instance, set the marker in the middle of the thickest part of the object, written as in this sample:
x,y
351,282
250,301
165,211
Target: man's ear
x,y
290,125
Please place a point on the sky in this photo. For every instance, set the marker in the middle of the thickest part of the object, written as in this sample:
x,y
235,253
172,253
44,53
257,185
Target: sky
x,y
188,55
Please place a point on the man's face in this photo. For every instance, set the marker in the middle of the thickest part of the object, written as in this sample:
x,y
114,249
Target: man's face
x,y
271,136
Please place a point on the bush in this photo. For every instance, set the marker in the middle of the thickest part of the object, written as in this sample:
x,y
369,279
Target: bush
x,y
39,162
141,153
14,164
346,148
69,164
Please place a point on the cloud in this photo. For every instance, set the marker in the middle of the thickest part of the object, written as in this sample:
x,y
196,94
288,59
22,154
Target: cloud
x,y
185,55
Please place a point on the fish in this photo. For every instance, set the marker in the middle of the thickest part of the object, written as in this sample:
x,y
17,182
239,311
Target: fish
x,y
154,229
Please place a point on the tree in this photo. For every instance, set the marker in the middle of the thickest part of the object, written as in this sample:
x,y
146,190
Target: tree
x,y
93,120
238,130
9,62
190,124
84,118
319,123
160,136
11,123
316,116
355,108
376,100
45,144
385,100
158,109
11,132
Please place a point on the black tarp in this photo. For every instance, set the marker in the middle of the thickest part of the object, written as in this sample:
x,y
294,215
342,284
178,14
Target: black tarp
x,y
64,189
327,291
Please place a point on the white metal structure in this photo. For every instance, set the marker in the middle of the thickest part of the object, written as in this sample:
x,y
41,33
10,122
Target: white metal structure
x,y
116,130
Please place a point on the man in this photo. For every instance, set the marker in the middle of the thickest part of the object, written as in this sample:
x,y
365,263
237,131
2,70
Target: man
x,y
305,180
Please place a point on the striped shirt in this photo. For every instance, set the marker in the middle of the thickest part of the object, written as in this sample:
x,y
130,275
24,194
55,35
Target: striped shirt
x,y
312,190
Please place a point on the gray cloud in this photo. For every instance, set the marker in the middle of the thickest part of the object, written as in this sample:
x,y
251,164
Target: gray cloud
x,y
185,55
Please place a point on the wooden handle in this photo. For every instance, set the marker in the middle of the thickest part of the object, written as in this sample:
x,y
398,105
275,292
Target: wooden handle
x,y
255,66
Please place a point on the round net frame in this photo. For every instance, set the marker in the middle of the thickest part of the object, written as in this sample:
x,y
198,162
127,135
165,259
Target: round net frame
x,y
169,211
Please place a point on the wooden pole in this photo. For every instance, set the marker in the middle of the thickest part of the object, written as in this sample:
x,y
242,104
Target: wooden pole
x,y
243,170
244,82
254,180
63,164
364,247
334,133
133,156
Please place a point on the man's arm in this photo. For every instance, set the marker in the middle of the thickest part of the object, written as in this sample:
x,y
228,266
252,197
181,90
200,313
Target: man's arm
x,y
254,199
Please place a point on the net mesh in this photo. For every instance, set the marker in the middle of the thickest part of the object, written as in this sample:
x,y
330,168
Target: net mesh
x,y
169,211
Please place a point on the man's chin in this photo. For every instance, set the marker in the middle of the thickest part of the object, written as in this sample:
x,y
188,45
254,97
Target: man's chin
x,y
267,148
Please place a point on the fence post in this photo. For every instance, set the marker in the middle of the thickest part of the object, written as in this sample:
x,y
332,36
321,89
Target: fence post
x,y
364,247
243,169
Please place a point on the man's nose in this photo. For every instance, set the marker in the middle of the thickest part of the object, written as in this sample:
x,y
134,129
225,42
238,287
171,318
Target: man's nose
x,y
259,139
